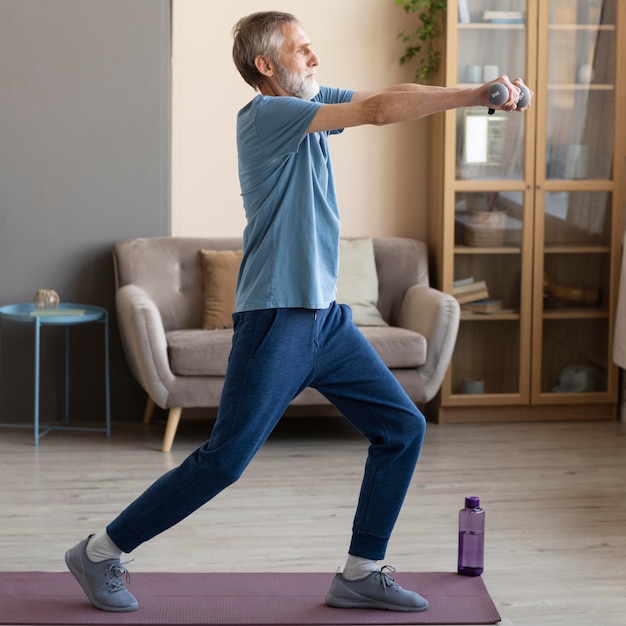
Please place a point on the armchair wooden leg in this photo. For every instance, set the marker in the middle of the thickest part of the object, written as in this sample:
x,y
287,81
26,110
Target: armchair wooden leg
x,y
170,429
149,412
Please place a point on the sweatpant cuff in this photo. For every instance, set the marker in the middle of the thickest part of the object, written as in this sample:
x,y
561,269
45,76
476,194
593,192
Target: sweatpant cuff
x,y
368,546
122,540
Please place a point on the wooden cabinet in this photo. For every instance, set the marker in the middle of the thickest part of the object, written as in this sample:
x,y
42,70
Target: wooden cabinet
x,y
531,205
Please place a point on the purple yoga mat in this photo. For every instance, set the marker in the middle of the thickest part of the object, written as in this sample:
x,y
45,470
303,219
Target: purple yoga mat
x,y
36,598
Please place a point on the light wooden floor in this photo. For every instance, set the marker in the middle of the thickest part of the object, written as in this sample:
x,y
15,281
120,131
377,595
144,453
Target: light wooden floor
x,y
555,496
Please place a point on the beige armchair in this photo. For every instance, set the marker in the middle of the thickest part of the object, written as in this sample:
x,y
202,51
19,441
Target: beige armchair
x,y
159,301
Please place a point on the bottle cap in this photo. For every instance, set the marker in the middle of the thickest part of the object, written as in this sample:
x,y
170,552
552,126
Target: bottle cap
x,y
472,502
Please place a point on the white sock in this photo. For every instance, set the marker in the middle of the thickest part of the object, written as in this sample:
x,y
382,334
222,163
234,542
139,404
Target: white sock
x,y
357,568
100,548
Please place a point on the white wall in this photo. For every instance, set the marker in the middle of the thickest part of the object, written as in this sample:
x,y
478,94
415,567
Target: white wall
x,y
380,172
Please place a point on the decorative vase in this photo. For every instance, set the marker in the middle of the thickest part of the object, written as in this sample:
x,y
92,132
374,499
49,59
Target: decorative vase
x,y
46,299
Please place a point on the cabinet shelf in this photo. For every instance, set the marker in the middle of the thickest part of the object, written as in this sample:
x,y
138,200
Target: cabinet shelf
x,y
580,87
470,316
492,26
577,249
487,250
575,314
582,27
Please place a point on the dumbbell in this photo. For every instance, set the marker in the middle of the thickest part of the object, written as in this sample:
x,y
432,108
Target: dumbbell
x,y
499,94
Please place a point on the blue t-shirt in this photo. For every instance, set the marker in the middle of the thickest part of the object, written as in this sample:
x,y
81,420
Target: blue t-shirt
x,y
290,243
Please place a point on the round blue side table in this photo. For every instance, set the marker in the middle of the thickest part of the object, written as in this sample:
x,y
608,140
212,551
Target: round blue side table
x,y
67,315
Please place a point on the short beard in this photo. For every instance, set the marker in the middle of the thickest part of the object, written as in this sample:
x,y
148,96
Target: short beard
x,y
296,84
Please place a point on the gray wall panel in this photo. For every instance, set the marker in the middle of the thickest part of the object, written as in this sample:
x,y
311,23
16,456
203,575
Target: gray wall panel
x,y
84,161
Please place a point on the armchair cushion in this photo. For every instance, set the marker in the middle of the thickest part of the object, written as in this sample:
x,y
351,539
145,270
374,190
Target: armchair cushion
x,y
357,283
194,352
198,353
399,348
219,271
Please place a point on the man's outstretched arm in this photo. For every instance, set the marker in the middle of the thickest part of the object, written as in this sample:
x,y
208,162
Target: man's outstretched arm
x,y
406,102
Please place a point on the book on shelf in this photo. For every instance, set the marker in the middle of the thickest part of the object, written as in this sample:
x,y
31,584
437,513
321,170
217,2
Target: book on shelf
x,y
465,291
486,305
472,296
459,282
464,14
504,17
57,312
460,287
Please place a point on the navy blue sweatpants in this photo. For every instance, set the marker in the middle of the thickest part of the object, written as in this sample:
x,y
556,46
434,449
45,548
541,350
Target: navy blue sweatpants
x,y
276,354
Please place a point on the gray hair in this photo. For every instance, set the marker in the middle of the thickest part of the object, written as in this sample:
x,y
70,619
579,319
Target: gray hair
x,y
259,33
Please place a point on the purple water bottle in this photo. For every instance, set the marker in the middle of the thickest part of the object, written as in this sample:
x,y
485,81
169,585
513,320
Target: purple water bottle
x,y
471,538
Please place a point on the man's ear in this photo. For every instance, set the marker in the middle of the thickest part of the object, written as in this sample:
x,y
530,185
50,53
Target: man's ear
x,y
264,65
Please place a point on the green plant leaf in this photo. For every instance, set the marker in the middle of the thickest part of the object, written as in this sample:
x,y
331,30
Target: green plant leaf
x,y
420,42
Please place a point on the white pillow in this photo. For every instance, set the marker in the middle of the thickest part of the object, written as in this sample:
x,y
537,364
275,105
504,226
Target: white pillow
x,y
357,283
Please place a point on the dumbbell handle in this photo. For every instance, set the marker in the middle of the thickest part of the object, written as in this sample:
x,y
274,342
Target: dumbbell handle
x,y
499,94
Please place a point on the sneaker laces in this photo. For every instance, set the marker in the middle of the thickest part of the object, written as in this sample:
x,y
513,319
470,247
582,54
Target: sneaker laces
x,y
386,581
115,575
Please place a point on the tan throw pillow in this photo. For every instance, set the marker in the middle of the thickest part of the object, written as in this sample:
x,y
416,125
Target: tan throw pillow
x,y
220,269
357,283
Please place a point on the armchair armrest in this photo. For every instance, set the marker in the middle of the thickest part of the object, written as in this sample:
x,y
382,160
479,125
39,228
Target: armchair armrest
x,y
435,315
144,341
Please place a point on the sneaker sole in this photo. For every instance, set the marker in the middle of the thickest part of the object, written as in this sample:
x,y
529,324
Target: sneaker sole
x,y
371,604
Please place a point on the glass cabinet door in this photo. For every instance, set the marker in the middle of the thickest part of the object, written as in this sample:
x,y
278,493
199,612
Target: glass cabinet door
x,y
490,209
581,89
487,284
491,42
576,202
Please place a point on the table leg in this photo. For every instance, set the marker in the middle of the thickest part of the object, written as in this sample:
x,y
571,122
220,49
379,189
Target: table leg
x,y
37,354
0,365
67,376
107,389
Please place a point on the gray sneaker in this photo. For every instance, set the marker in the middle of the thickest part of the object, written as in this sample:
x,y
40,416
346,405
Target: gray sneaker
x,y
376,591
102,582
